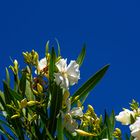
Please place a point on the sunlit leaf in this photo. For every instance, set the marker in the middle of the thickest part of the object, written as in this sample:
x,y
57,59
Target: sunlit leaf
x,y
89,85
82,55
58,45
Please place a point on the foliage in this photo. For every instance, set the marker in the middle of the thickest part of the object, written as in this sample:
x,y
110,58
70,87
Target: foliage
x,y
40,106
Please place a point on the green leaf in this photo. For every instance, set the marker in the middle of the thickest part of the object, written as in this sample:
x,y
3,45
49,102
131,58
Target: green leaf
x,y
28,92
22,84
60,127
56,105
47,47
2,100
7,95
12,94
82,55
52,66
58,45
110,124
89,85
49,135
15,95
83,99
7,77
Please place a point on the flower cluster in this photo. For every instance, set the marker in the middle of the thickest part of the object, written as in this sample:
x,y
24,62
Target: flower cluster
x,y
39,104
132,118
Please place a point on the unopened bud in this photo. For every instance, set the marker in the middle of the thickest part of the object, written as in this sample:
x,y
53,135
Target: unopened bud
x,y
84,133
15,67
15,116
39,88
117,133
32,103
23,103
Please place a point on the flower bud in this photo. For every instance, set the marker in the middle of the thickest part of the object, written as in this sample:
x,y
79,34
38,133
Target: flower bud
x,y
32,103
15,116
39,88
117,133
84,133
15,67
23,103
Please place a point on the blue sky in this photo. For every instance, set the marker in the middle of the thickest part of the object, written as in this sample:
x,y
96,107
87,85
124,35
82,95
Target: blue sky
x,y
111,30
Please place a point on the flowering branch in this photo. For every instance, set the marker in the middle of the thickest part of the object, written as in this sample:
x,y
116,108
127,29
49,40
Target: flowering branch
x,y
40,105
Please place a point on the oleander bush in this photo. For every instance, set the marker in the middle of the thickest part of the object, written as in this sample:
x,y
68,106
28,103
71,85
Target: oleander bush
x,y
36,104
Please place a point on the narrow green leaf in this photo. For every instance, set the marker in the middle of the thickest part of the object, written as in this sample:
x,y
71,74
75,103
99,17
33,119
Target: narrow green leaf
x,y
56,105
110,124
112,119
52,66
15,95
60,127
2,100
83,99
58,45
89,85
22,85
49,135
82,55
47,47
11,95
8,97
7,77
28,92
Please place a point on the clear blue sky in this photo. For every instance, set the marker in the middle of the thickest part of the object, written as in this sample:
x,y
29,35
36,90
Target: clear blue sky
x,y
111,30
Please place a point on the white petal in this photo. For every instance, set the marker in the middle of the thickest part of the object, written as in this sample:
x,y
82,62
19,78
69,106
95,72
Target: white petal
x,y
136,133
62,65
70,124
73,79
58,78
124,117
65,83
135,125
61,80
73,72
42,64
76,111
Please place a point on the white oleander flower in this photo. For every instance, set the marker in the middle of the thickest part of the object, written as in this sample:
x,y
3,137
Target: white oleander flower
x,y
67,75
124,117
135,129
69,122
